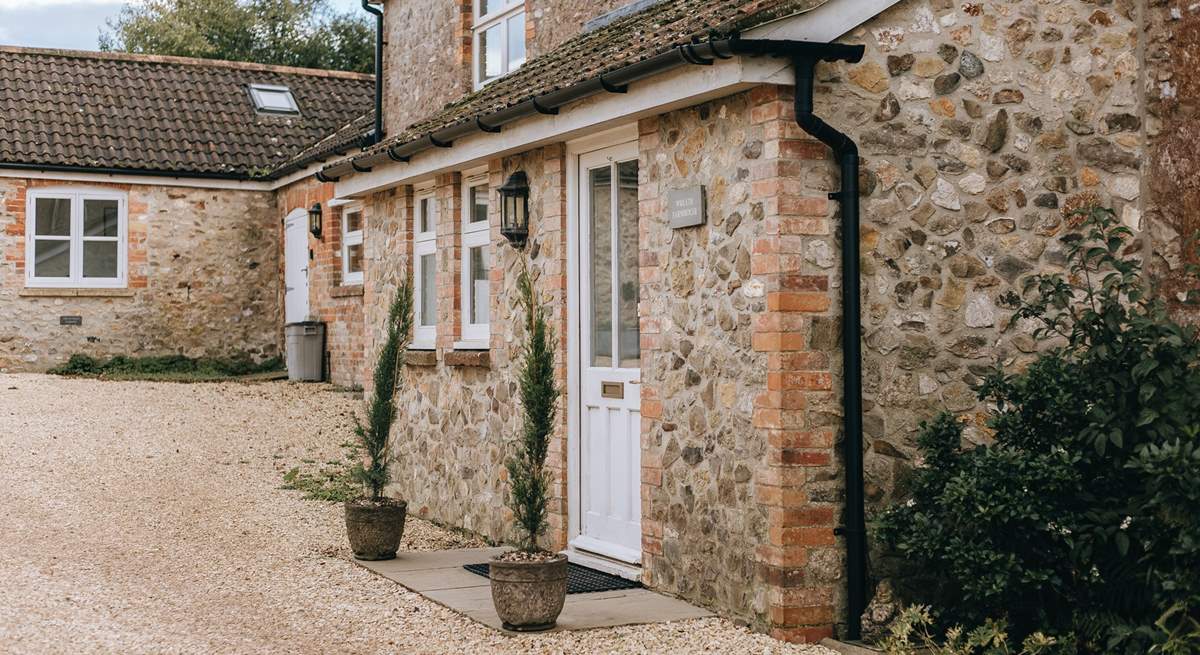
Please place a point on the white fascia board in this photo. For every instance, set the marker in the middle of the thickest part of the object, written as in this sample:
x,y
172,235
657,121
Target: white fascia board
x,y
160,180
823,24
683,87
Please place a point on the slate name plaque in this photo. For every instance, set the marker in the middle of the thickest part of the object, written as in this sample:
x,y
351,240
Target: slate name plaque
x,y
70,320
686,207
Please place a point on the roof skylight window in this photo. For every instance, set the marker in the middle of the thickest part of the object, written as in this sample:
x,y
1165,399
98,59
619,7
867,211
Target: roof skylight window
x,y
269,99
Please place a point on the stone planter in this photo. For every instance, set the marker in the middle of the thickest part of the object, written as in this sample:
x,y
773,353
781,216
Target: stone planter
x,y
529,596
375,527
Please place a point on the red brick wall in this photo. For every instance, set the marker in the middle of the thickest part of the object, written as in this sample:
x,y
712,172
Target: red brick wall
x,y
339,306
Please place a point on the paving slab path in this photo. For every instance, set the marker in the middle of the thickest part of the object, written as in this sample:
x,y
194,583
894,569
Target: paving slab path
x,y
148,518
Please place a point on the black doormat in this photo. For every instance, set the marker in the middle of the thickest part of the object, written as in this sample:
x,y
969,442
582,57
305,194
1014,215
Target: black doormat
x,y
580,579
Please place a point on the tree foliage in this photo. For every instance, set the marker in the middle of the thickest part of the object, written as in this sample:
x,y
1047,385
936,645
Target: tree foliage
x,y
375,435
528,480
1080,519
304,33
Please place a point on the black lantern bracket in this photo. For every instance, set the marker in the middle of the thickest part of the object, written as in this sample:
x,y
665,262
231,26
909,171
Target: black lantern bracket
x,y
514,209
314,220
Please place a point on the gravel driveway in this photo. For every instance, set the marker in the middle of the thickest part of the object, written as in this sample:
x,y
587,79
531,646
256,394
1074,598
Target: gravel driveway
x,y
147,518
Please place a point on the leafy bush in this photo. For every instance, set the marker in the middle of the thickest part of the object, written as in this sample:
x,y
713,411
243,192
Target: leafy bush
x,y
165,367
1081,518
375,435
528,482
912,634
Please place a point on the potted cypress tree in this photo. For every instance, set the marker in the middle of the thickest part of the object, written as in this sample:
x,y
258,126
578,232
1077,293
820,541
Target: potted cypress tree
x,y
529,585
375,523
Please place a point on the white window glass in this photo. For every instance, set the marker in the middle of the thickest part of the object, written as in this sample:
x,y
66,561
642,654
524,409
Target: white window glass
x,y
273,99
425,270
353,250
476,264
499,38
77,239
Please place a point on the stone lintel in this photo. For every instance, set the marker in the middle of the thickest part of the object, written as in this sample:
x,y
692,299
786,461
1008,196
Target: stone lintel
x,y
473,358
352,291
420,358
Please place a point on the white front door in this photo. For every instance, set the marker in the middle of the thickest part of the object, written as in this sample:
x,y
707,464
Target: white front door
x,y
295,276
609,352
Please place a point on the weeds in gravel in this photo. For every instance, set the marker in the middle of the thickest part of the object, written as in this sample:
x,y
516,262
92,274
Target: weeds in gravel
x,y
332,482
166,368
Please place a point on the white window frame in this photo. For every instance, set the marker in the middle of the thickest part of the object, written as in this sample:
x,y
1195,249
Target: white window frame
x,y
354,238
475,336
424,243
498,16
257,94
76,280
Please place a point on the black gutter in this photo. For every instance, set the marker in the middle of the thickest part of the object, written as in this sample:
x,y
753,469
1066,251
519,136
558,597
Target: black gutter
x,y
377,135
101,170
804,57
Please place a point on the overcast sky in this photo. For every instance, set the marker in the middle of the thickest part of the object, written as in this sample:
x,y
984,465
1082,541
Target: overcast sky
x,y
74,24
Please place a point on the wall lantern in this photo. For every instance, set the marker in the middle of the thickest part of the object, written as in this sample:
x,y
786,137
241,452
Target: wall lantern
x,y
514,209
314,220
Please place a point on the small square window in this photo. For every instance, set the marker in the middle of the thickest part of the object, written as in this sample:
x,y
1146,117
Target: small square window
x,y
273,99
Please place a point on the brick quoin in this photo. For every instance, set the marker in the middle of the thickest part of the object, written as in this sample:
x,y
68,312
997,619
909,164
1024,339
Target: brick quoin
x,y
802,605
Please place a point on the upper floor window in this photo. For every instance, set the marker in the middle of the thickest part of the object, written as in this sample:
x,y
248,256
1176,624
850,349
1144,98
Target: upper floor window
x,y
352,245
499,38
76,239
425,269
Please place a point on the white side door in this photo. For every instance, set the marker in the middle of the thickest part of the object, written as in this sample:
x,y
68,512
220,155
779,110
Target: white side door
x,y
295,277
610,359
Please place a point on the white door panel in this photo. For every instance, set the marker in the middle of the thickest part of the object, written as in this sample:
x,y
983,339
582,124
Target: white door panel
x,y
295,277
609,355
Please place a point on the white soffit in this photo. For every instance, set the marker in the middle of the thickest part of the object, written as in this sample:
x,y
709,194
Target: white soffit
x,y
682,87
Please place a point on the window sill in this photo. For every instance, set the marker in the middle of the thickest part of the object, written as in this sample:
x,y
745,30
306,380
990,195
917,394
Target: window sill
x,y
468,358
347,291
417,357
57,292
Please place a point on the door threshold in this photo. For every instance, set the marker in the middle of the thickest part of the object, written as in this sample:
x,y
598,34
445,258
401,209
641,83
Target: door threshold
x,y
604,564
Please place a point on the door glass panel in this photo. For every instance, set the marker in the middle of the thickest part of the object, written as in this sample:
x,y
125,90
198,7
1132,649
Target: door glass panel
x,y
100,259
99,218
426,215
627,265
479,285
52,258
53,217
428,309
600,190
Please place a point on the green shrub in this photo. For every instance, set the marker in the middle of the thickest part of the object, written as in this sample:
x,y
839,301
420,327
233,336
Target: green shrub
x,y
529,483
166,367
375,435
1082,517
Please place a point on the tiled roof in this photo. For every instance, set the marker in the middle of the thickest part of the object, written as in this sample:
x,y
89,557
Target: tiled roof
x,y
164,114
625,41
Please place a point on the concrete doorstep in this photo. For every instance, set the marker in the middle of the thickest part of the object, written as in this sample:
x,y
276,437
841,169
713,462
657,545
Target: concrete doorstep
x,y
440,577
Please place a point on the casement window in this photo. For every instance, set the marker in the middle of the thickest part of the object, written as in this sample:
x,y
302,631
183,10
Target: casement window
x,y
499,38
352,244
425,218
476,264
76,239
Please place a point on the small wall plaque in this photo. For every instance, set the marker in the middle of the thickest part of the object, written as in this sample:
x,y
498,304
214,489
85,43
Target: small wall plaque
x,y
686,207
70,320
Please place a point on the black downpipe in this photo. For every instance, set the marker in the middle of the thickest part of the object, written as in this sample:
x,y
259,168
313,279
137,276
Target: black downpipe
x,y
854,520
377,135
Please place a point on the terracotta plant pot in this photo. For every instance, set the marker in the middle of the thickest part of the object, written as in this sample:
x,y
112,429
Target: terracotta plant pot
x,y
529,596
375,527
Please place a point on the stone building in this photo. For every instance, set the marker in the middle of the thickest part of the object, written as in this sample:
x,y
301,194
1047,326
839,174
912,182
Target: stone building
x,y
142,205
684,233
